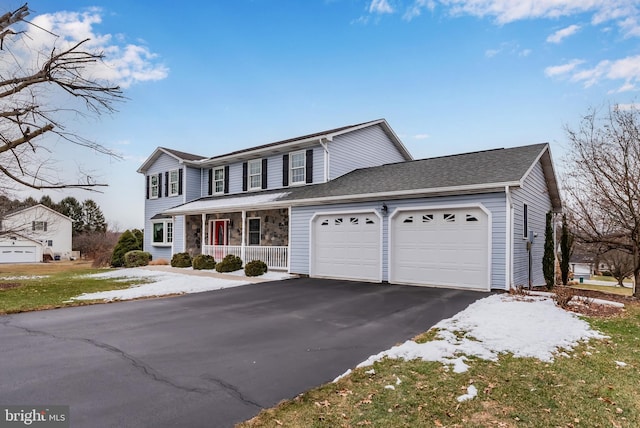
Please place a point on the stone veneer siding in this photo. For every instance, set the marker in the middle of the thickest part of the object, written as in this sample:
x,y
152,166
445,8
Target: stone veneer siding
x,y
274,228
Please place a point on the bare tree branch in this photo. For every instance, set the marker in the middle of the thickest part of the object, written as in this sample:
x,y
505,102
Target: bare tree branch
x,y
35,100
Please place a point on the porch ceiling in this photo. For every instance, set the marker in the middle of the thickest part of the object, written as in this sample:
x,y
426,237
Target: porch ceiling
x,y
227,204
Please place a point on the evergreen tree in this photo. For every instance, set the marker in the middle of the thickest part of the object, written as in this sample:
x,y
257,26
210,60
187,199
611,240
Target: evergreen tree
x,y
93,218
47,202
126,243
139,237
548,259
566,244
70,207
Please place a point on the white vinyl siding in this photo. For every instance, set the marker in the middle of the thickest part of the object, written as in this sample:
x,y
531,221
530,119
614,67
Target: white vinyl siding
x,y
534,194
360,149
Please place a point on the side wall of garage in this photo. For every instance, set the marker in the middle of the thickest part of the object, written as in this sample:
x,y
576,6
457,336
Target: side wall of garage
x,y
494,202
535,195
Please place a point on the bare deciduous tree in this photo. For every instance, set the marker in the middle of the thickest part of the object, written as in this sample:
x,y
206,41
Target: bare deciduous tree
x,y
40,90
619,263
602,182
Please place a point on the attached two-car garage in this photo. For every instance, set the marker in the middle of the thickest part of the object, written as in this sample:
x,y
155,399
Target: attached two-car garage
x,y
426,246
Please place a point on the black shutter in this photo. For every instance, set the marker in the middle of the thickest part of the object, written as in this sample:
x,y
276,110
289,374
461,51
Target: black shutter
x,y
45,226
166,183
285,170
160,185
147,187
33,225
245,168
226,179
309,162
264,173
180,173
211,182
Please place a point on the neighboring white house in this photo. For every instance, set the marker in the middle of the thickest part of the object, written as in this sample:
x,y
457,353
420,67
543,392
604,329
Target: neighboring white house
x,y
28,235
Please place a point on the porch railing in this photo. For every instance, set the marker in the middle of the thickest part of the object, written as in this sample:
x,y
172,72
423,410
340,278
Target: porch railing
x,y
274,257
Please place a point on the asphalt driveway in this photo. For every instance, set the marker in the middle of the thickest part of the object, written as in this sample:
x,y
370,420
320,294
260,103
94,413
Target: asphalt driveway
x,y
207,359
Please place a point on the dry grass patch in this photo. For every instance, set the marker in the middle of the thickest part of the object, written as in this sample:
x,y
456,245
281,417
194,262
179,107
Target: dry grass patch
x,y
595,384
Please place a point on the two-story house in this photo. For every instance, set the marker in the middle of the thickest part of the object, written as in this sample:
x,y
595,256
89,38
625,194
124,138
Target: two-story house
x,y
31,234
352,203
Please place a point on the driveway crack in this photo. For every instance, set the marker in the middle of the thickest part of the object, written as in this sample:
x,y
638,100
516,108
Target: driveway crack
x,y
232,390
138,364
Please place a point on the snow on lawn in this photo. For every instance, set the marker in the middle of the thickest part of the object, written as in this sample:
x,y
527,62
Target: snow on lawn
x,y
528,326
162,283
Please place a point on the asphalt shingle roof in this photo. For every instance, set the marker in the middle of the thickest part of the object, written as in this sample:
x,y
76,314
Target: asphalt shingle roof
x,y
467,169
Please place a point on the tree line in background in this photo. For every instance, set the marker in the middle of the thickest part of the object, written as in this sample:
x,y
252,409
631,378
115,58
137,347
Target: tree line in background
x,y
89,228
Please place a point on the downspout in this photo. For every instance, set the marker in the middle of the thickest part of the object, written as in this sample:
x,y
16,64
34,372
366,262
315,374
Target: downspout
x,y
325,146
508,256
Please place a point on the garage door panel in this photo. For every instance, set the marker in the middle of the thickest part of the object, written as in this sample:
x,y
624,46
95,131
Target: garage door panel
x,y
440,247
346,246
11,254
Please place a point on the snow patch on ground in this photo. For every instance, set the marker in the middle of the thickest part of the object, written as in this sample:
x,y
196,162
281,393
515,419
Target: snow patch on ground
x,y
523,326
23,277
162,283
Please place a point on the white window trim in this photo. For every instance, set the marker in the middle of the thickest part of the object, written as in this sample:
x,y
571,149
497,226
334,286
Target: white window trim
x,y
165,232
152,186
303,167
172,182
258,174
249,231
216,181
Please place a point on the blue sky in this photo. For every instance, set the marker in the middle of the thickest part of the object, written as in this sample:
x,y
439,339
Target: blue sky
x,y
449,76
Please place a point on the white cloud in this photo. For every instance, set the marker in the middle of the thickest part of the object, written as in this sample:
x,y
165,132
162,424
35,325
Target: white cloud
x,y
421,136
380,7
624,13
625,69
560,35
124,64
562,69
511,48
416,8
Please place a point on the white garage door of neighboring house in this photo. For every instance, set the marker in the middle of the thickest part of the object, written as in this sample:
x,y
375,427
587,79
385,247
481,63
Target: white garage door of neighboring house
x,y
448,247
347,246
18,254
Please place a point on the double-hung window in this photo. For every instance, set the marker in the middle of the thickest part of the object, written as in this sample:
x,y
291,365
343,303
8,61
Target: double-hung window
x,y
153,186
254,231
163,233
255,174
39,226
173,182
218,180
297,167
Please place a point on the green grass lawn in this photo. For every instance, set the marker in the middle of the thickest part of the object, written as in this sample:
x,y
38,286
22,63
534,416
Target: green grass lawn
x,y
586,389
51,291
623,291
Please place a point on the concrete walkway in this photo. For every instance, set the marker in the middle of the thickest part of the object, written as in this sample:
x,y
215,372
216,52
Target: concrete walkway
x,y
213,274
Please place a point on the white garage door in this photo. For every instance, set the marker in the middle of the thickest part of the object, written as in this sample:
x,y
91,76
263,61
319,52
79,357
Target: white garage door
x,y
346,246
446,247
18,254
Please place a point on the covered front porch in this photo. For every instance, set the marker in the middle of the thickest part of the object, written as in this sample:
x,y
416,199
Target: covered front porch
x,y
249,234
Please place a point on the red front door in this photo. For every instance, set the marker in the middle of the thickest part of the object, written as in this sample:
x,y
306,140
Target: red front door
x,y
219,235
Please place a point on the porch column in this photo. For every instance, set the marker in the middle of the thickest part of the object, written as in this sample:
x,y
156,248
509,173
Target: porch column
x,y
202,232
244,235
